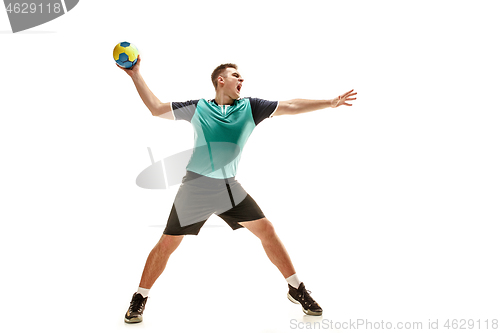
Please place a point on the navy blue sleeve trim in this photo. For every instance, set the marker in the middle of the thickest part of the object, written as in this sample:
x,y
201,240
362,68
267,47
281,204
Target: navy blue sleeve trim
x,y
184,110
262,109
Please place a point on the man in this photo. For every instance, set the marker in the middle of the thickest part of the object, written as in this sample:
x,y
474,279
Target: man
x,y
222,127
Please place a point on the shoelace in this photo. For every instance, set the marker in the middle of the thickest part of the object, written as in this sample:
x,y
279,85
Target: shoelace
x,y
136,304
306,297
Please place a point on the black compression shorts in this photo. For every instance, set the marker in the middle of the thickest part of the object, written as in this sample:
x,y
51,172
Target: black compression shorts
x,y
199,197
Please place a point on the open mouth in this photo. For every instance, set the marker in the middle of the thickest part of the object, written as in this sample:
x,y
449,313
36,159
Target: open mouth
x,y
238,88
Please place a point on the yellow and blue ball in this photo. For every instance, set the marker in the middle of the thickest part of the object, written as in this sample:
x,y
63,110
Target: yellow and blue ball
x,y
125,54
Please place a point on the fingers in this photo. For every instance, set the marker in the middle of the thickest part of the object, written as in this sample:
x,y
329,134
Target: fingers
x,y
135,65
347,93
126,70
348,96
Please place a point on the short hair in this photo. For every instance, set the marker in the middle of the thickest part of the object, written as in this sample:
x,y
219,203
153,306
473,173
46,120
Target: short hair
x,y
219,70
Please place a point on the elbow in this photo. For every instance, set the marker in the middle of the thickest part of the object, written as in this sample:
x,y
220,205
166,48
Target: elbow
x,y
155,110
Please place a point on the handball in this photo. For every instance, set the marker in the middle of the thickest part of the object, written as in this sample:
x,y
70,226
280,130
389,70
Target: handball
x,y
125,54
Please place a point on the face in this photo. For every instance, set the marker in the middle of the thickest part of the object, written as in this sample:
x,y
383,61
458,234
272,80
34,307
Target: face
x,y
232,83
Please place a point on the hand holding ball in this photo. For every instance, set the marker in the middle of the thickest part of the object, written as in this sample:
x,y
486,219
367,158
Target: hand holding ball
x,y
125,54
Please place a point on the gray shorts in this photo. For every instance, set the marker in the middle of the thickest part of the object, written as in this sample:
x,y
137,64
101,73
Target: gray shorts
x,y
199,197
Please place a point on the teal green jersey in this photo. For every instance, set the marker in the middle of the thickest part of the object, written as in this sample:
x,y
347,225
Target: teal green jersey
x,y
221,132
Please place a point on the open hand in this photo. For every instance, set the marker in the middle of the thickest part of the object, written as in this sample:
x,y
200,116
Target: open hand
x,y
341,100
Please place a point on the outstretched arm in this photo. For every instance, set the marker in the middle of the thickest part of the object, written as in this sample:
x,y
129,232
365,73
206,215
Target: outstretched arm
x,y
296,106
154,105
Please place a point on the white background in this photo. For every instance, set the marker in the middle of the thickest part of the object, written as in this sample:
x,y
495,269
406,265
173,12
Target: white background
x,y
389,208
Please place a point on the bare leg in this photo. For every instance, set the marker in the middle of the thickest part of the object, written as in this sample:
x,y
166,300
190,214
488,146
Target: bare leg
x,y
273,246
157,259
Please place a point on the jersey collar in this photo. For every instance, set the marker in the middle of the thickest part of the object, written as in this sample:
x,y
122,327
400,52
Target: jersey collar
x,y
234,102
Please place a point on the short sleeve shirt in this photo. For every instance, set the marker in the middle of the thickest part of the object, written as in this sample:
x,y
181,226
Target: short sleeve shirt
x,y
221,131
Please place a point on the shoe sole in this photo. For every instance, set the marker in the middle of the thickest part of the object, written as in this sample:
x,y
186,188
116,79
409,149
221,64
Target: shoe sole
x,y
307,312
133,320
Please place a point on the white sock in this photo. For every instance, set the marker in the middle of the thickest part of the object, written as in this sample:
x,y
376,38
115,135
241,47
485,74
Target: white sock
x,y
293,280
143,292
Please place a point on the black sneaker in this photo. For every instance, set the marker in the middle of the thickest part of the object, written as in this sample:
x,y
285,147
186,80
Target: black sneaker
x,y
134,313
301,296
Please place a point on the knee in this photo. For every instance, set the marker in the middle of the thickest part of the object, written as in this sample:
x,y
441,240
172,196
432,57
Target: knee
x,y
268,231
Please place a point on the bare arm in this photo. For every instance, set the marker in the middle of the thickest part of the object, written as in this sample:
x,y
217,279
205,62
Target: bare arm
x,y
154,105
297,106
